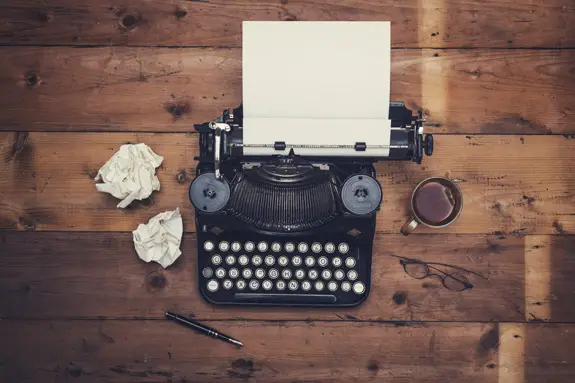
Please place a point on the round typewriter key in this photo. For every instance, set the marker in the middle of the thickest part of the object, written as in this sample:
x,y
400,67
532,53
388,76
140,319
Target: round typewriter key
x,y
305,285
309,261
322,261
350,262
262,247
216,259
296,261
280,285
227,284
332,286
312,274
292,285
352,275
326,274
243,260
220,273
260,273
336,261
302,247
256,260
286,273
209,194
316,247
319,285
208,246
283,260
289,247
343,248
236,246
230,260
247,273
273,273
358,288
224,246
276,247
241,284
254,285
213,285
234,273
249,246
329,247
270,260
346,286
267,285
207,272
299,274
339,275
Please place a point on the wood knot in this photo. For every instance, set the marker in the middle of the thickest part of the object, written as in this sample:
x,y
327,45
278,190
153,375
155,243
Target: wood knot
x,y
44,17
157,281
31,79
372,366
177,110
181,177
181,13
399,297
129,21
27,223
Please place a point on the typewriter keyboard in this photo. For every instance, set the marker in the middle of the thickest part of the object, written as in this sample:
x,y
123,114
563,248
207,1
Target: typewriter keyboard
x,y
291,273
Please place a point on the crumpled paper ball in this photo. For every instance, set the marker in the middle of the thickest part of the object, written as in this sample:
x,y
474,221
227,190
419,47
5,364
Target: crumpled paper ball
x,y
159,240
130,174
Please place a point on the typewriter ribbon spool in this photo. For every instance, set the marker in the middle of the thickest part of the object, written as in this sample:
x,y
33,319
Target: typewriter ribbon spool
x,y
361,194
209,194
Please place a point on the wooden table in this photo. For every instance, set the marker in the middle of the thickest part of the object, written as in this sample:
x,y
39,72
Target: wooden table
x,y
79,78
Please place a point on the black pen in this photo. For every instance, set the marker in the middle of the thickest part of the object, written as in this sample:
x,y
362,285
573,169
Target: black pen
x,y
195,325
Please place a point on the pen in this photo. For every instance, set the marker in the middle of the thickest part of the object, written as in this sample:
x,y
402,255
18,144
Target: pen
x,y
195,325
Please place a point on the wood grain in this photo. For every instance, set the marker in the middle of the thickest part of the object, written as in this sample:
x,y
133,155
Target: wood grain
x,y
446,23
511,184
152,351
87,275
159,89
120,351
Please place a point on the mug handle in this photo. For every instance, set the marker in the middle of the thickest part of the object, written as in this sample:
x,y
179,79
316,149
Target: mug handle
x,y
409,226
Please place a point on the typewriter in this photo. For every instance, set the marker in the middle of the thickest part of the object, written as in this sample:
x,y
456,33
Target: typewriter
x,y
289,229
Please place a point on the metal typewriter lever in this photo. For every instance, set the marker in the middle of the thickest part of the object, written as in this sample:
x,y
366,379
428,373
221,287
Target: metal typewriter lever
x,y
218,127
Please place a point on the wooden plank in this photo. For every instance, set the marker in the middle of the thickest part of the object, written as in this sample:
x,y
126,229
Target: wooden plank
x,y
146,351
518,185
72,275
438,23
120,89
549,354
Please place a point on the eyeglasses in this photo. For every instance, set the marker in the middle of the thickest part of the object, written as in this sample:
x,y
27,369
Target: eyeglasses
x,y
452,281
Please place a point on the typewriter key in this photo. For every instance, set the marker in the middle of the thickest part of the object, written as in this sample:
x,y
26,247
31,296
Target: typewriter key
x,y
208,194
361,194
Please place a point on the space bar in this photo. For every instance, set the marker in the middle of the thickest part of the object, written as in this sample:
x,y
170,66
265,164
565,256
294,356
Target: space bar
x,y
285,298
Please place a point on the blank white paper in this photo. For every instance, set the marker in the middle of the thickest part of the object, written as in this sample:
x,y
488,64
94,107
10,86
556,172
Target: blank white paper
x,y
316,83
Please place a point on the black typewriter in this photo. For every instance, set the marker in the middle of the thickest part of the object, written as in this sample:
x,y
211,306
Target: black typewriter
x,y
289,229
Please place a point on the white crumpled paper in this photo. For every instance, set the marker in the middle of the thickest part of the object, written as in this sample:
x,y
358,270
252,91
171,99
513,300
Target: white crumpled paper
x,y
130,174
159,240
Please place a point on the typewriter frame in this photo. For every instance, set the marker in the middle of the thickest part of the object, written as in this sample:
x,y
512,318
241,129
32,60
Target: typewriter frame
x,y
407,142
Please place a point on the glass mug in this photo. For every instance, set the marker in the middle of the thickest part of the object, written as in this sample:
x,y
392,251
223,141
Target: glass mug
x,y
435,202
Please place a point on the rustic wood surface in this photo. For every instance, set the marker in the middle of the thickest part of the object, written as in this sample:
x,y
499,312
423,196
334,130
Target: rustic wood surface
x,y
495,81
157,351
168,90
433,23
123,287
511,184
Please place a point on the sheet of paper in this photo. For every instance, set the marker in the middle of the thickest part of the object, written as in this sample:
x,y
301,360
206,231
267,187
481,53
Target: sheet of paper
x,y
130,174
159,239
318,82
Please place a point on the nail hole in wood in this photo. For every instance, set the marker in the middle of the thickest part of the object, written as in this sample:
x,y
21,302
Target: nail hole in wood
x,y
129,21
181,13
